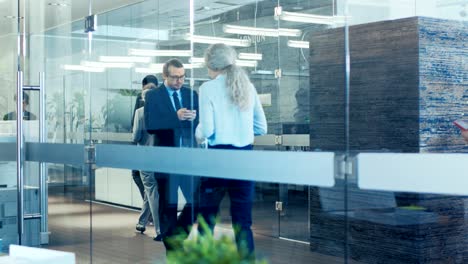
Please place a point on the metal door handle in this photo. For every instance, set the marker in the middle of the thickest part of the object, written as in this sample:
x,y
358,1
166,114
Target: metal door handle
x,y
20,153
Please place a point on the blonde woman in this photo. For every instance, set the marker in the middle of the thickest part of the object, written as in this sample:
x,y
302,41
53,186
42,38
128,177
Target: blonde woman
x,y
230,116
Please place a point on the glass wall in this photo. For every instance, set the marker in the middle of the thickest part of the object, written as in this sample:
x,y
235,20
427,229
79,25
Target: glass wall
x,y
359,99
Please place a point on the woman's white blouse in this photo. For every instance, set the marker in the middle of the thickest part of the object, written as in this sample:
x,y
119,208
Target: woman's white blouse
x,y
221,122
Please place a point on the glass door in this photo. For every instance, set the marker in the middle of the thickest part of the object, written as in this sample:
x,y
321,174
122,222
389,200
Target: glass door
x,y
8,152
302,108
258,54
56,178
130,43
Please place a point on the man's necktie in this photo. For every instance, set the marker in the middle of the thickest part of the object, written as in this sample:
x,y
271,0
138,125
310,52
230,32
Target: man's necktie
x,y
176,101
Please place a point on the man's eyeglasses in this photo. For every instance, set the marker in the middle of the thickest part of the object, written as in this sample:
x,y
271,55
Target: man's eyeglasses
x,y
177,78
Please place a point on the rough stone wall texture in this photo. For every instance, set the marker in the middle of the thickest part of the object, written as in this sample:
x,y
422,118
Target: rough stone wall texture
x,y
443,83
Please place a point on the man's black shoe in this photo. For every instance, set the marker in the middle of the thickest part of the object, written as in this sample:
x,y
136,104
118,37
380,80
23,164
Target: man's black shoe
x,y
140,228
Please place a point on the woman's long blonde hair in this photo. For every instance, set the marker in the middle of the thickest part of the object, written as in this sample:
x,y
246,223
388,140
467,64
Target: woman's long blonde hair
x,y
220,57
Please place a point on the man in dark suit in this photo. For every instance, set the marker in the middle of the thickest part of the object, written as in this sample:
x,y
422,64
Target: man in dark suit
x,y
26,114
171,115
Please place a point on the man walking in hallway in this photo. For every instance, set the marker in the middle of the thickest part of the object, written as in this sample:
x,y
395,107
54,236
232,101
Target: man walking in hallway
x,y
145,214
142,138
171,115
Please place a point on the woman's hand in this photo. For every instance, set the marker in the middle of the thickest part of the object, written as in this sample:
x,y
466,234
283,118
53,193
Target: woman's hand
x,y
465,135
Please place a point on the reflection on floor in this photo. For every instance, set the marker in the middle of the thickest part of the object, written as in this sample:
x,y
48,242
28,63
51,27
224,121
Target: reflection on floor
x,y
113,238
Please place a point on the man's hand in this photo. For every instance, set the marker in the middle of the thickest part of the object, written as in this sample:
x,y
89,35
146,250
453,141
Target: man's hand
x,y
465,135
186,115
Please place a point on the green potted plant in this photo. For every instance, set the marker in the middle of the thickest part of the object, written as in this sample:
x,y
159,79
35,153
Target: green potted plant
x,y
206,249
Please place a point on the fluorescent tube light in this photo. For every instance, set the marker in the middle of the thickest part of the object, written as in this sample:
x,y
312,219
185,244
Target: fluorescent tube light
x,y
160,53
256,31
250,56
307,18
70,67
243,63
263,72
153,68
147,70
194,65
197,60
214,40
56,4
298,44
124,59
97,64
246,63
158,67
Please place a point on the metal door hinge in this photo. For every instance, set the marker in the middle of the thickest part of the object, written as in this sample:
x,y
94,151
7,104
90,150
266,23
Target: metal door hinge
x,y
90,23
344,167
278,11
278,73
278,140
90,154
279,206
45,238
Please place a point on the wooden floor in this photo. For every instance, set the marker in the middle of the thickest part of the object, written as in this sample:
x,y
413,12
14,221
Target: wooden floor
x,y
113,238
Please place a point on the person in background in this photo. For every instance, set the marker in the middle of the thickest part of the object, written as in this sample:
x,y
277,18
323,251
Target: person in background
x,y
151,195
230,115
145,215
171,115
26,114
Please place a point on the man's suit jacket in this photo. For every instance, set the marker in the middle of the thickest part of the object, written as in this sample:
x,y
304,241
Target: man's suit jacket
x,y
162,121
26,116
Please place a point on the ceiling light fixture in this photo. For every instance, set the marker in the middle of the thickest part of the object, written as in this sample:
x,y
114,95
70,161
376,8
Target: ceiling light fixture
x,y
160,53
124,59
71,67
298,44
215,40
97,64
307,18
250,56
12,17
197,60
147,70
58,4
246,63
242,62
193,65
256,31
263,72
152,68
158,67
